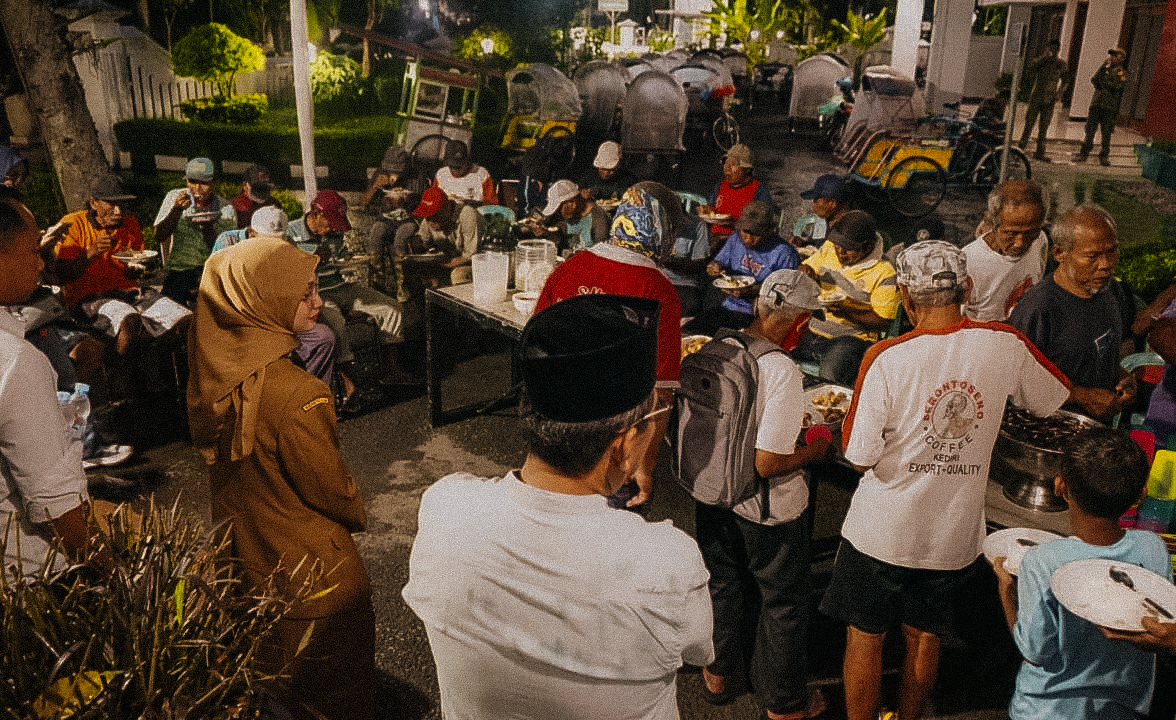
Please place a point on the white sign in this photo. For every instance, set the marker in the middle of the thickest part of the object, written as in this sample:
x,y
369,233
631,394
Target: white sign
x,y
612,5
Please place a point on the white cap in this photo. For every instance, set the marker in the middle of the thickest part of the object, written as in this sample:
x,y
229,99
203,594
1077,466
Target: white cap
x,y
560,192
269,220
608,156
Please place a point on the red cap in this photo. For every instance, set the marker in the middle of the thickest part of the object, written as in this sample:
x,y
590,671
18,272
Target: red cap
x,y
334,208
818,431
432,199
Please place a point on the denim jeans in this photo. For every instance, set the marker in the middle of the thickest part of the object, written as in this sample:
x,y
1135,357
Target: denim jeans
x,y
840,358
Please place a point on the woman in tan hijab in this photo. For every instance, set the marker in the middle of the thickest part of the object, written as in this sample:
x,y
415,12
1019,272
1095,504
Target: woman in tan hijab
x,y
267,429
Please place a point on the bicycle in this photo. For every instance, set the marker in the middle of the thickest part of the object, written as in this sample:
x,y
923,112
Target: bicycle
x,y
913,174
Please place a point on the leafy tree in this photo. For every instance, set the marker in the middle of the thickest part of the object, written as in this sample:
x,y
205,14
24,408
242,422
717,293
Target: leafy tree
x,y
470,46
755,28
862,32
334,78
213,53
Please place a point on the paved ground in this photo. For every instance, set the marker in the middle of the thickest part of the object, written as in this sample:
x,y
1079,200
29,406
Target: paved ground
x,y
395,455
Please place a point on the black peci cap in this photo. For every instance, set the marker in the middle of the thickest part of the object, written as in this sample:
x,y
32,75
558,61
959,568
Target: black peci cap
x,y
590,357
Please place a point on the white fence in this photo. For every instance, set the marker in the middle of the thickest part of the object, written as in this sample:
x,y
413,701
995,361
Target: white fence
x,y
132,78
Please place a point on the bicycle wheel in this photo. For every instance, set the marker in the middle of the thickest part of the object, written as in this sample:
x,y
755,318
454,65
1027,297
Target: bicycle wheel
x,y
430,148
987,172
726,132
915,186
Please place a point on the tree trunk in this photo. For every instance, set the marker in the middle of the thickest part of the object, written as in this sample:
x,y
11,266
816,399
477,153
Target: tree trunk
x,y
366,67
43,58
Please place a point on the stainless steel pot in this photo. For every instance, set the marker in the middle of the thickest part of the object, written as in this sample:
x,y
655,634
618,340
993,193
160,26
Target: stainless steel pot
x,y
1027,472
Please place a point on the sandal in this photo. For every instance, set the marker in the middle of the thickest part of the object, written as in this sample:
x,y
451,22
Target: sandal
x,y
725,696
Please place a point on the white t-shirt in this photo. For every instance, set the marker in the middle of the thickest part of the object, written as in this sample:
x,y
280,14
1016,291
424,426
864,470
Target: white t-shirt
x,y
543,605
779,408
924,419
999,281
467,187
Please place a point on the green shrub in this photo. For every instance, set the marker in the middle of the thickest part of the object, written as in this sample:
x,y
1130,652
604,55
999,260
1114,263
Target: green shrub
x,y
43,195
1150,272
172,632
348,147
236,110
333,77
214,53
1165,146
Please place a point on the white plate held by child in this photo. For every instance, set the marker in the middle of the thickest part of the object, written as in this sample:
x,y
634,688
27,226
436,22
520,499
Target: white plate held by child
x,y
1013,543
1088,589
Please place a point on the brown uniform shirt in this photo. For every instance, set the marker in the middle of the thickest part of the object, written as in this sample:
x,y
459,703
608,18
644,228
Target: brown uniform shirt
x,y
293,497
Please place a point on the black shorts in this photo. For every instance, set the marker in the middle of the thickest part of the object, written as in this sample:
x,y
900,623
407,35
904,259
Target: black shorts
x,y
874,596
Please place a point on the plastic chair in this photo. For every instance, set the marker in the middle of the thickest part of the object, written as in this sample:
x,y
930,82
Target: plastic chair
x,y
500,210
691,200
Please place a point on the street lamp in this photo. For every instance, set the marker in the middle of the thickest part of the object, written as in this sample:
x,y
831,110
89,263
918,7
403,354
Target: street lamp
x,y
487,46
755,34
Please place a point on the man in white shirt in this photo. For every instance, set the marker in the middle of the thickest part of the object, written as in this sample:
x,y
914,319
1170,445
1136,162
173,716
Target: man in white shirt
x,y
921,427
768,548
541,601
1009,253
43,493
463,180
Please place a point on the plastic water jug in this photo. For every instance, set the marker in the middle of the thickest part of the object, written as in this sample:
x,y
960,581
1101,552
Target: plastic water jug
x,y
490,274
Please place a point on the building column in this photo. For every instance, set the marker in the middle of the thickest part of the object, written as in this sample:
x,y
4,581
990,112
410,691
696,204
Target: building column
x,y
1068,29
1104,20
908,22
1017,14
951,41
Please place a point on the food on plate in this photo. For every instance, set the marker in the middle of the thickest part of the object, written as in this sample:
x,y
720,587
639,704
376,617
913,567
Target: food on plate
x,y
831,398
693,343
808,420
733,282
833,415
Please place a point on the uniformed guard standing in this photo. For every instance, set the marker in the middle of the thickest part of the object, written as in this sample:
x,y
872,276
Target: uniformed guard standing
x,y
1108,83
1048,73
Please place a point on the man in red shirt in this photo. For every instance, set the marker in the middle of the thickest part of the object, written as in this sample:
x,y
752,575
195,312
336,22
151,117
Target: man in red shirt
x,y
736,189
625,266
86,261
256,193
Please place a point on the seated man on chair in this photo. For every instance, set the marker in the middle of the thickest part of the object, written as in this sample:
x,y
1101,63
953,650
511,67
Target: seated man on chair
x,y
451,227
326,220
464,180
860,294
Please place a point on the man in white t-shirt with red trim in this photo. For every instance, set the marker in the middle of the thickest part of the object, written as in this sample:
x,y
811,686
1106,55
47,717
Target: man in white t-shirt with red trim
x,y
924,418
1009,256
462,179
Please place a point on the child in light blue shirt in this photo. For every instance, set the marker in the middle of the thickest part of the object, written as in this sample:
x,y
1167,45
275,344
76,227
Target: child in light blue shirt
x,y
1071,671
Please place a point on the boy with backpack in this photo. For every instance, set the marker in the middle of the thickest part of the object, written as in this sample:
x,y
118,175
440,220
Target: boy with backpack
x,y
1071,670
740,412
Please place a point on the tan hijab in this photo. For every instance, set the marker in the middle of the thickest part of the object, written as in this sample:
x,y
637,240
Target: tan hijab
x,y
249,295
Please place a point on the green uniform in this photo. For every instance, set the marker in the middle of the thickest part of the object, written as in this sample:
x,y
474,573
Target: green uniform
x,y
1048,74
1109,83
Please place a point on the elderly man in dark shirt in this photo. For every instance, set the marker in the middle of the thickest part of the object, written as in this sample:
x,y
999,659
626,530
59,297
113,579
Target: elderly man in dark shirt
x,y
1075,316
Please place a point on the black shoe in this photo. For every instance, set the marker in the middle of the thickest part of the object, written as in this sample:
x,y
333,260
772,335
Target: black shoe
x,y
1081,157
1041,157
1104,161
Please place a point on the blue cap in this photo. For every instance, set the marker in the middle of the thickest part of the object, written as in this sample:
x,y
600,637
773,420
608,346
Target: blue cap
x,y
826,186
199,169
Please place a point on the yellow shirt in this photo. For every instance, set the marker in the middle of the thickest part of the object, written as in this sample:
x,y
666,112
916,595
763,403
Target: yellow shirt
x,y
872,280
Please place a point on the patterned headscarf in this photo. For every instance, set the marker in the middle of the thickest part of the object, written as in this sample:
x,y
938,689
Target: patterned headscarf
x,y
638,224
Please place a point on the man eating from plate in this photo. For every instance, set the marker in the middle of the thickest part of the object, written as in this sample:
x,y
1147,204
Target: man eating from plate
x,y
750,254
860,295
99,262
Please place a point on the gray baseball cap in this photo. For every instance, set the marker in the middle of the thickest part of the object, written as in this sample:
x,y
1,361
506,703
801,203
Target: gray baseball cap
x,y
790,287
932,265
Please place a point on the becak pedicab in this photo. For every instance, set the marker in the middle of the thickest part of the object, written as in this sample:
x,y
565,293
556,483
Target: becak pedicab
x,y
653,120
541,102
708,93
